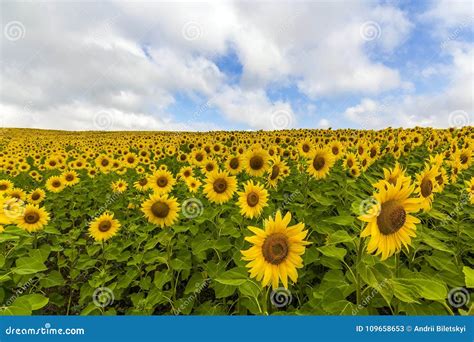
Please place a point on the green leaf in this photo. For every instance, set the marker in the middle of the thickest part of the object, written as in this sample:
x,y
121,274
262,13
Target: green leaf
x,y
469,276
333,252
339,236
35,301
28,265
54,278
405,292
343,220
235,277
250,289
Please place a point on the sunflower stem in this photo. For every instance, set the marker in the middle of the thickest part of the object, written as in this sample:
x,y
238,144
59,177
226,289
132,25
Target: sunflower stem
x,y
358,280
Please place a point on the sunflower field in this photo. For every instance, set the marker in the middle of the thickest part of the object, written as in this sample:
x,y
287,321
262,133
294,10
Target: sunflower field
x,y
295,222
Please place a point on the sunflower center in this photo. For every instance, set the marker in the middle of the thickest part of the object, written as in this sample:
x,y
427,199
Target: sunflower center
x,y
305,148
464,159
335,150
252,199
160,209
105,226
32,217
220,185
275,248
162,182
209,167
439,179
256,162
143,182
35,197
426,187
130,160
105,162
56,184
234,163
3,187
392,217
199,157
69,178
275,172
318,163
187,173
350,162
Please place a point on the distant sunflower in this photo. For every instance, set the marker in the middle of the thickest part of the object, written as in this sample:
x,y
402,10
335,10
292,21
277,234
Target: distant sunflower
x,y
161,210
389,223
252,200
427,186
256,162
220,187
70,178
162,181
321,161
33,218
5,185
36,196
470,189
233,164
276,251
193,184
392,176
104,227
278,171
55,184
119,186
142,184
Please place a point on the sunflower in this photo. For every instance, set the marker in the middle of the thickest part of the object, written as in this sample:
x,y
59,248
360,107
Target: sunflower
x,y
33,218
161,210
5,185
350,161
209,166
337,149
256,162
427,186
320,163
142,184
2,229
193,184
233,164
305,147
186,172
36,196
276,251
220,187
17,193
55,184
470,189
389,223
104,227
252,200
162,181
119,186
278,171
70,178
391,176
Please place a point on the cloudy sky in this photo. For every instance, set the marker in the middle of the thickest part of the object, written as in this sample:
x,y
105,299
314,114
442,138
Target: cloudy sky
x,y
236,65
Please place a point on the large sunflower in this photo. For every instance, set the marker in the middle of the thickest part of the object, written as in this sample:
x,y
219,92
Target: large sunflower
x,y
252,200
161,181
161,210
389,223
276,251
220,187
320,163
104,227
33,218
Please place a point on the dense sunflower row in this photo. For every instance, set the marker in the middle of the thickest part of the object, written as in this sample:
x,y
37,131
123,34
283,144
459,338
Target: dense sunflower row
x,y
157,174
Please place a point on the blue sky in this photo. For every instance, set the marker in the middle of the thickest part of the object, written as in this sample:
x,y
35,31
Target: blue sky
x,y
237,65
